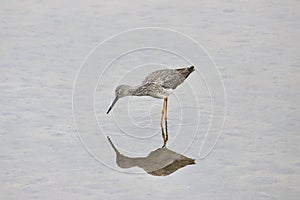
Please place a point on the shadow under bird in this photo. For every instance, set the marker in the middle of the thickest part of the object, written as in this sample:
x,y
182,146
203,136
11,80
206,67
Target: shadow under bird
x,y
160,162
158,84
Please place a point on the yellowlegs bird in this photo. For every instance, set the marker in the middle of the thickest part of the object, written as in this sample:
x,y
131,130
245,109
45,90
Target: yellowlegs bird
x,y
158,84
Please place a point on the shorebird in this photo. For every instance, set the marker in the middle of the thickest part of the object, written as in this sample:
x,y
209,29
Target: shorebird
x,y
158,84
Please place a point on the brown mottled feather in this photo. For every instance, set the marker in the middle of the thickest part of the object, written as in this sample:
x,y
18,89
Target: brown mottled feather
x,y
168,78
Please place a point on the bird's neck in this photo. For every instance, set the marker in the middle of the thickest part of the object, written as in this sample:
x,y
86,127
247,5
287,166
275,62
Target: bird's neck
x,y
132,89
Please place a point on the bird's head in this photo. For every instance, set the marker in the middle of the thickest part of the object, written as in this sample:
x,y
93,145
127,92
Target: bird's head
x,y
120,91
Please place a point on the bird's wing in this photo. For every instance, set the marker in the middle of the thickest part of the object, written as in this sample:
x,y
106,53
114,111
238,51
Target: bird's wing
x,y
167,78
152,77
146,89
172,80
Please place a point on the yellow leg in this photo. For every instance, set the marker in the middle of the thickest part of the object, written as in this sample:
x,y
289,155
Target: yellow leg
x,y
161,124
166,119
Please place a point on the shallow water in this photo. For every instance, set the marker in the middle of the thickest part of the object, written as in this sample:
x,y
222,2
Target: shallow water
x,y
255,46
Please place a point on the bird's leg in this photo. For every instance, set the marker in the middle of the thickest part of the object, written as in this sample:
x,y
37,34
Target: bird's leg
x,y
161,124
166,118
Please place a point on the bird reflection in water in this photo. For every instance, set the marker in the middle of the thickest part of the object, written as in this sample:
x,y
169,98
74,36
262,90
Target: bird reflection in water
x,y
160,162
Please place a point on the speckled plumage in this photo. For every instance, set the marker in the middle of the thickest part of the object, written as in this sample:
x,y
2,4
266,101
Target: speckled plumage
x,y
161,83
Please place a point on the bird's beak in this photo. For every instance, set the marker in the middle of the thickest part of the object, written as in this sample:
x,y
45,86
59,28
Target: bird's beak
x,y
112,105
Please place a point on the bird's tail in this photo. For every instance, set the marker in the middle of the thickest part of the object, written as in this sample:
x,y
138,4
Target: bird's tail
x,y
186,71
